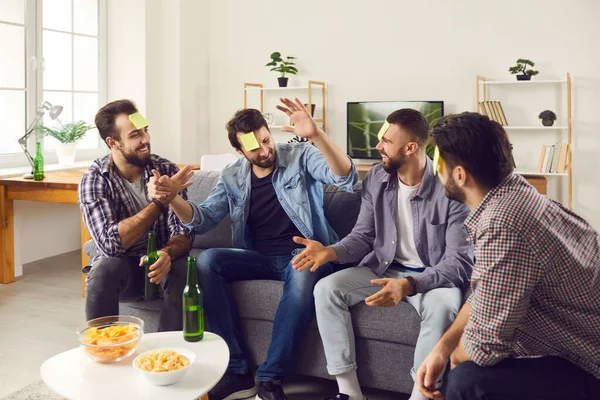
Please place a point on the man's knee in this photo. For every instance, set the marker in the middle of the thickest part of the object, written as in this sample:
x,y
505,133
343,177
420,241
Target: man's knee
x,y
327,290
107,271
209,261
441,304
466,382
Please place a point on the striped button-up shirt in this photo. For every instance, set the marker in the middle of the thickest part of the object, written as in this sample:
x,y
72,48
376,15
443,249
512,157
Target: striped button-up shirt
x,y
536,280
105,201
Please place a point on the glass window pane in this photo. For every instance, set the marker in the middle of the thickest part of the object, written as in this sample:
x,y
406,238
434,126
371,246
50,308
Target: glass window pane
x,y
12,115
86,107
85,16
57,56
12,56
57,15
86,63
64,99
12,11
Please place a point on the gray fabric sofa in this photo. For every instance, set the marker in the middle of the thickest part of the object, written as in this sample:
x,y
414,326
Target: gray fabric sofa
x,y
385,337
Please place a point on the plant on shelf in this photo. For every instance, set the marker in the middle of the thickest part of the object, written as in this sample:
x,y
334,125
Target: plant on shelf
x,y
547,117
67,135
282,66
522,71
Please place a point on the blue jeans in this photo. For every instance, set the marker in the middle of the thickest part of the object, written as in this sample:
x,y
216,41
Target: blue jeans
x,y
218,267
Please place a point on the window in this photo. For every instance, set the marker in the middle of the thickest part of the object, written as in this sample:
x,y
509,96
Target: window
x,y
55,54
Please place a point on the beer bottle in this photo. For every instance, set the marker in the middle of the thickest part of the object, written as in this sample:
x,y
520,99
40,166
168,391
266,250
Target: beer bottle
x,y
193,310
38,163
150,289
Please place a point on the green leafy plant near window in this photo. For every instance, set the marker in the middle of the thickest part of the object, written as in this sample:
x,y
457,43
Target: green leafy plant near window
x,y
282,66
65,133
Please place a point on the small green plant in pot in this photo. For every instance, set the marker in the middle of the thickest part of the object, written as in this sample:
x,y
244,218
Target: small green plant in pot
x,y
522,70
67,135
282,66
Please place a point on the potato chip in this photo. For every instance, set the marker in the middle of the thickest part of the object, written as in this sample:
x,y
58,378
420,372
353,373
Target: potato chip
x,y
109,336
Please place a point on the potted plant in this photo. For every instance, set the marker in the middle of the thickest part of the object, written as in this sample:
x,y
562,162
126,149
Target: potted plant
x,y
67,135
523,74
547,117
282,66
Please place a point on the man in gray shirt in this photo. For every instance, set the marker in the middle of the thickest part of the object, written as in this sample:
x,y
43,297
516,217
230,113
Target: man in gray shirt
x,y
411,244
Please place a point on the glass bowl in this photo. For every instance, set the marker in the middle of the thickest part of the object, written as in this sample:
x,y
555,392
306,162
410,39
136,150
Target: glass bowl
x,y
110,339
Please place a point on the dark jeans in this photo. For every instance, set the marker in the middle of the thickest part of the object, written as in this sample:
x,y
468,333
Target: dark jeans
x,y
113,280
218,267
548,378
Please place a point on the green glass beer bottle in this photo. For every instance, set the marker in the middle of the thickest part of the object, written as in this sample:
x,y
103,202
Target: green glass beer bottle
x,y
193,310
38,163
150,289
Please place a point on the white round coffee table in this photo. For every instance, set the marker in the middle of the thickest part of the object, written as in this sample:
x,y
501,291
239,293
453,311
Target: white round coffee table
x,y
75,376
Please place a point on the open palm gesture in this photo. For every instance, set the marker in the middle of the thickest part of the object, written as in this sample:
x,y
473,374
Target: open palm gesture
x,y
304,125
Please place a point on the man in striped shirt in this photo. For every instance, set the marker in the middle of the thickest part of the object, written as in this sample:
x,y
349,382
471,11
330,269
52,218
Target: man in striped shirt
x,y
531,328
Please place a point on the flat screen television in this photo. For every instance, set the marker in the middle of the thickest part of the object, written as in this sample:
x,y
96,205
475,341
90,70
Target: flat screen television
x,y
365,119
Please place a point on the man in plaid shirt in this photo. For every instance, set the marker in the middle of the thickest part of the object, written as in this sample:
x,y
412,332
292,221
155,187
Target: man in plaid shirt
x,y
118,214
531,328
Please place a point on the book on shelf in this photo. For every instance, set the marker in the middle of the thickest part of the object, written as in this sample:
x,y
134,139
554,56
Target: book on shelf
x,y
541,161
494,110
563,159
554,158
548,163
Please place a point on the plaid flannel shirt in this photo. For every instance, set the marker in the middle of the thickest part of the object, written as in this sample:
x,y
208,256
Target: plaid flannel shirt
x,y
536,280
105,201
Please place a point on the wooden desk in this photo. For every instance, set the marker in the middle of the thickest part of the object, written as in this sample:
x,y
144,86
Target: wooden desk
x,y
57,187
538,182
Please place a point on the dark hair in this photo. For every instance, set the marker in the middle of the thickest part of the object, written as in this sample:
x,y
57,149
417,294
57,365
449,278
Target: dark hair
x,y
106,116
477,143
413,121
246,120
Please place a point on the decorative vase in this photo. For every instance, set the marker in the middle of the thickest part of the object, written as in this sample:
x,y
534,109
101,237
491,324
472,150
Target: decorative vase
x,y
282,81
547,122
66,153
523,77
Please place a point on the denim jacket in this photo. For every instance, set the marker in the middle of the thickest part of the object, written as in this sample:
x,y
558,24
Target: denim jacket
x,y
300,172
439,235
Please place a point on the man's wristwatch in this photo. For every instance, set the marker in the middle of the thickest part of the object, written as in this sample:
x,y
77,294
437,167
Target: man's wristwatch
x,y
413,285
159,205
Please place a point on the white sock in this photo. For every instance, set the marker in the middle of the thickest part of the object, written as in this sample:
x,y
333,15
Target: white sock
x,y
416,395
348,384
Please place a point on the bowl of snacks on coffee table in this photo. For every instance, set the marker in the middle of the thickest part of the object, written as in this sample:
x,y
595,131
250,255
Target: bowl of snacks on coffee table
x,y
164,366
110,339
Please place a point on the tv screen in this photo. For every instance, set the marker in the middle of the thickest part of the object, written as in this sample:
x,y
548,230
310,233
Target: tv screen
x,y
365,119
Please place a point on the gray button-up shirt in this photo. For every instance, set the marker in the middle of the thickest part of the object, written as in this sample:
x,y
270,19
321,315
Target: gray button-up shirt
x,y
439,235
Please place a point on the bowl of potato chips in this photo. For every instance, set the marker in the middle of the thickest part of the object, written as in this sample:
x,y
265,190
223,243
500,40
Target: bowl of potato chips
x,y
112,338
164,366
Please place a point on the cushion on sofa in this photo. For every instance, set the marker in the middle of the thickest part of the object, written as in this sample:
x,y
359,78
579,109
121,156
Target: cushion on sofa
x,y
341,207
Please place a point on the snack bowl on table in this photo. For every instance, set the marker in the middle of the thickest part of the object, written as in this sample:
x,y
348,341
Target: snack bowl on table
x,y
164,366
110,339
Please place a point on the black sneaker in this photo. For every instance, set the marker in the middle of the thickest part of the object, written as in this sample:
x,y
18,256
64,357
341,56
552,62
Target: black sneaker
x,y
270,391
339,396
233,386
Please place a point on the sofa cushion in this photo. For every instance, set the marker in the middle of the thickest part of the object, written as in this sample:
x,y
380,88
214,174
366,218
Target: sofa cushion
x,y
341,207
400,324
202,186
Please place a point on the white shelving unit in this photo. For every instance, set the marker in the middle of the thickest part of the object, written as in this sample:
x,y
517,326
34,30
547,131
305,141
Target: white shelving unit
x,y
482,84
312,86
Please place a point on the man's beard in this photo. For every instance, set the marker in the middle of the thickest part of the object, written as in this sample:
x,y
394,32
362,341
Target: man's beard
x,y
134,159
264,163
453,192
393,164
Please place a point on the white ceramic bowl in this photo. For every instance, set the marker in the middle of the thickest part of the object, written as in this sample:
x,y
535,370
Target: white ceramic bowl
x,y
165,378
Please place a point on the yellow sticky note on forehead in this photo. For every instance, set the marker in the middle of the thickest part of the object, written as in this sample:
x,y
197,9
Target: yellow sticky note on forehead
x,y
383,130
138,120
249,141
438,161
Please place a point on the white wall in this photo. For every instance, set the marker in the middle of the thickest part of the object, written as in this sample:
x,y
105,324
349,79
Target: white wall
x,y
407,50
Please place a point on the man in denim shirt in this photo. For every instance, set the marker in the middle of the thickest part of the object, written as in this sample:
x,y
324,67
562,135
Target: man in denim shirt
x,y
413,247
273,193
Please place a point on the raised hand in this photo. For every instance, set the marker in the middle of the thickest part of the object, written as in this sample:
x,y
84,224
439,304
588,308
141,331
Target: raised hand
x,y
313,256
394,290
304,125
164,188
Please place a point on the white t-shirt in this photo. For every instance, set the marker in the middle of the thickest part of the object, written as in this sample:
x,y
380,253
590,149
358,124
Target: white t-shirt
x,y
406,250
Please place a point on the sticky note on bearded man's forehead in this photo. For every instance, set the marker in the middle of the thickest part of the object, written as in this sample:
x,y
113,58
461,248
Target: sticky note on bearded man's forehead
x,y
383,130
138,120
249,141
438,161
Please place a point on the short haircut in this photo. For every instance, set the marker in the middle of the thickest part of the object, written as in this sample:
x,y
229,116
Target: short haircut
x,y
107,115
246,120
413,122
